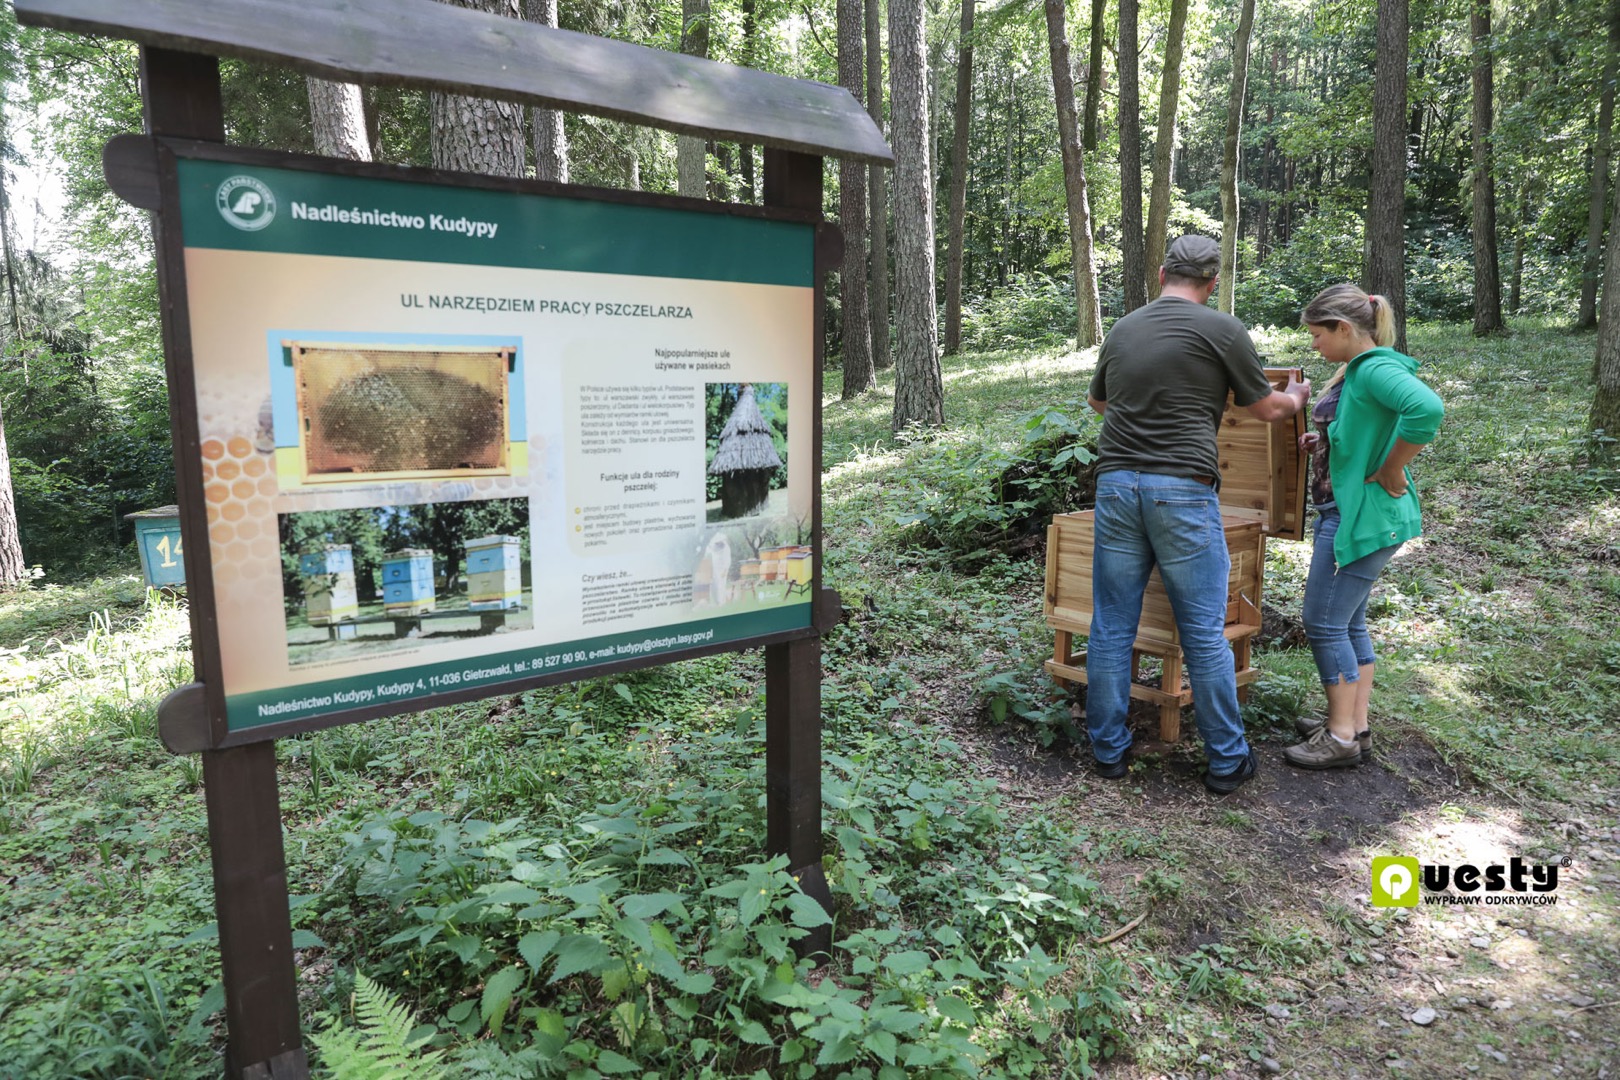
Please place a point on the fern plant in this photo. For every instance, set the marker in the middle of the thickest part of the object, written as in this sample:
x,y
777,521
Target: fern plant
x,y
384,1045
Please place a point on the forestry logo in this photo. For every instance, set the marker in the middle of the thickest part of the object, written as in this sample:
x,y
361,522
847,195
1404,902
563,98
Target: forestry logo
x,y
1396,880
246,203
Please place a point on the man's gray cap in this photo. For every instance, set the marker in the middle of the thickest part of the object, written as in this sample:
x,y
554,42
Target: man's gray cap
x,y
1193,256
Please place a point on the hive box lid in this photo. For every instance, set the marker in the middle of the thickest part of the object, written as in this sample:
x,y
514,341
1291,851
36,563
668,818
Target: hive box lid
x,y
1262,467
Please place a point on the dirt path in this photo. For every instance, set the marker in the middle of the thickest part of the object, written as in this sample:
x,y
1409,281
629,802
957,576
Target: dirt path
x,y
1260,952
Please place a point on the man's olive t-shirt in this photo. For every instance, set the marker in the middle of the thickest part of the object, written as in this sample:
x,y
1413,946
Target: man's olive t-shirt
x,y
1164,371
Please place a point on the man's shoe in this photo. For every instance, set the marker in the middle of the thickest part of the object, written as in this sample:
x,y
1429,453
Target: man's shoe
x,y
1310,725
1226,783
1113,770
1323,751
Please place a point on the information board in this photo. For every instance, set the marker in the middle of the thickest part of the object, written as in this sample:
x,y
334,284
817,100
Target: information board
x,y
455,437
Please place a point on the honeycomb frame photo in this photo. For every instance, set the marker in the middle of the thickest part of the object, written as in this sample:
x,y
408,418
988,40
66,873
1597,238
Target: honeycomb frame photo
x,y
374,411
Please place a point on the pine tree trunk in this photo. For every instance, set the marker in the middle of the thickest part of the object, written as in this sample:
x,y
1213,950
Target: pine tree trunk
x,y
1088,328
1602,146
691,158
958,203
1133,261
878,178
1229,158
1384,269
337,118
1164,149
1521,232
1487,272
1605,416
745,152
550,140
918,389
1094,73
858,373
12,567
476,134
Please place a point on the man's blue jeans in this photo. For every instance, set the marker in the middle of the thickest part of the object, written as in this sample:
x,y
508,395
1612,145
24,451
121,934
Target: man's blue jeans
x,y
1335,608
1143,520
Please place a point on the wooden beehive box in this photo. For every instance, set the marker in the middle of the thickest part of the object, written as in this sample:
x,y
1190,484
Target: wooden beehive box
x,y
494,573
1262,494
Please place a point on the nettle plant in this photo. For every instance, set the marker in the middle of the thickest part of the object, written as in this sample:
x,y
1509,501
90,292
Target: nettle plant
x,y
638,941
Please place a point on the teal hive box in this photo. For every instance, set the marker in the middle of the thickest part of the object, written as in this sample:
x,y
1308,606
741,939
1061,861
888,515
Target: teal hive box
x,y
157,537
407,580
494,573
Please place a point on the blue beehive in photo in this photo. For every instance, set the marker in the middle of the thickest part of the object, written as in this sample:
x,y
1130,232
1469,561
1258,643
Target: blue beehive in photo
x,y
328,576
407,582
494,573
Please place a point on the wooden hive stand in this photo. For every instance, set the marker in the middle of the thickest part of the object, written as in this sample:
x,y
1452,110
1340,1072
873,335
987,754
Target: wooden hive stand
x,y
1262,494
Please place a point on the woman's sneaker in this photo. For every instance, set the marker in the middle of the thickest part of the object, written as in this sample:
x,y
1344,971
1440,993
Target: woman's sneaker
x,y
1323,751
1310,725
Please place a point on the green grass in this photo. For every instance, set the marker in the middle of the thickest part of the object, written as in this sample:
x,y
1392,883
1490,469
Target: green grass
x,y
437,853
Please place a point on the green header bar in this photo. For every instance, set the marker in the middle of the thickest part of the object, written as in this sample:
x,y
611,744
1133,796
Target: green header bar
x,y
292,703
254,208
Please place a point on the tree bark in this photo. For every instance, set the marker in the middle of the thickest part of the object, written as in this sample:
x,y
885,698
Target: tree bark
x,y
1384,268
1229,157
1602,146
1487,272
1164,149
919,393
745,152
12,567
1094,73
1088,328
958,204
857,358
550,139
337,118
882,355
1605,415
691,157
1130,161
476,134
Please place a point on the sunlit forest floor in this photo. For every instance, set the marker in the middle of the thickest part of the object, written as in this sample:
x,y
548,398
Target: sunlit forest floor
x,y
954,838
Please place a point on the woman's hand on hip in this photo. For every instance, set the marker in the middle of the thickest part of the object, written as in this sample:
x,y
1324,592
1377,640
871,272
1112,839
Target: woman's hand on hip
x,y
1392,480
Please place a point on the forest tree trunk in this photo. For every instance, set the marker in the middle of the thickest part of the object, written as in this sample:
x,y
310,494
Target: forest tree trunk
x,y
919,393
878,178
1487,271
1094,73
1130,161
1164,149
477,134
1605,416
958,203
1603,144
1384,269
857,359
1088,329
12,567
1229,158
745,152
691,157
550,139
337,118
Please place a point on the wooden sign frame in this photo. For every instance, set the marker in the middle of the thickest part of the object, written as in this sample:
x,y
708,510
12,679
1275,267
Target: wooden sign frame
x,y
378,42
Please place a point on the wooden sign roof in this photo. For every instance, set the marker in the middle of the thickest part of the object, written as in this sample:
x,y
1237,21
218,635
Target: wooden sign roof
x,y
429,44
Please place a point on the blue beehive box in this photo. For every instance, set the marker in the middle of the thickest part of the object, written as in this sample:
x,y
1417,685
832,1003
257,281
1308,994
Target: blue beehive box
x,y
157,537
494,573
328,575
407,581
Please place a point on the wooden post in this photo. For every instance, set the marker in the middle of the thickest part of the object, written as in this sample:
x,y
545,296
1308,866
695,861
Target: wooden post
x,y
793,670
182,99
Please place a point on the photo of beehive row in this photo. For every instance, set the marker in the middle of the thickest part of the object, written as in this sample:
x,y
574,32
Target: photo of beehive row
x,y
369,578
381,411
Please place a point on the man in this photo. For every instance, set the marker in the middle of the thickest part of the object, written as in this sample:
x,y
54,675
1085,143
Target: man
x,y
1161,385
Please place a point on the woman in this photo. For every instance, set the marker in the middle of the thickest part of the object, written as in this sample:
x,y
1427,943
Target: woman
x,y
1372,418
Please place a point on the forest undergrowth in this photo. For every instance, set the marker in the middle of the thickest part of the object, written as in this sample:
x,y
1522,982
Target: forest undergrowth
x,y
573,882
